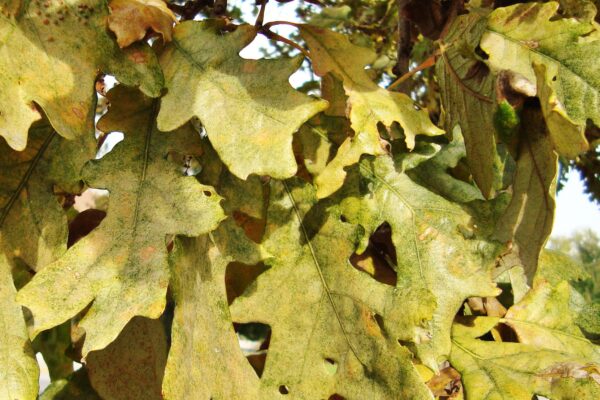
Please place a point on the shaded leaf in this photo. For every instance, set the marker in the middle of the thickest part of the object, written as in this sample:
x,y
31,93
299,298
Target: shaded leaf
x,y
133,365
130,19
76,386
43,60
468,95
208,362
326,337
368,104
248,108
527,221
113,265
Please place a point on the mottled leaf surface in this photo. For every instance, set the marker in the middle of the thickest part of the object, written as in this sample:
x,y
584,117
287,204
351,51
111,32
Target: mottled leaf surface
x,y
368,104
208,362
325,336
133,365
50,54
149,198
248,108
430,251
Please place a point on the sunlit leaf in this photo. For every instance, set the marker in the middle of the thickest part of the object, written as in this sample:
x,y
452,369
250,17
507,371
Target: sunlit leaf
x,y
130,19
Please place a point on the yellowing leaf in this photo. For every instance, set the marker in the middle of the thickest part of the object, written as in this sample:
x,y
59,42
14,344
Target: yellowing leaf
x,y
368,104
431,252
544,319
50,54
130,19
132,366
519,36
248,108
553,358
18,366
149,198
205,357
335,330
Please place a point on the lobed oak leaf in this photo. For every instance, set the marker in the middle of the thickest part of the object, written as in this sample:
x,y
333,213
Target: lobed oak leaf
x,y
149,198
248,108
431,253
368,104
50,55
335,330
130,19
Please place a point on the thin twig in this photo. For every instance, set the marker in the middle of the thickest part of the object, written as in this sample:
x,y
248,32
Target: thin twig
x,y
272,35
429,62
261,14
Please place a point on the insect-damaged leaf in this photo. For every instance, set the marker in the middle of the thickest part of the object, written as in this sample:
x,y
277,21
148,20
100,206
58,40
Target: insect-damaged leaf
x,y
18,366
431,252
517,37
50,54
208,362
326,338
130,19
248,108
368,104
113,265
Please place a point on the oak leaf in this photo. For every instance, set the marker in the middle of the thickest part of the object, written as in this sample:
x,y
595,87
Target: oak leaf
x,y
248,108
149,199
130,19
50,55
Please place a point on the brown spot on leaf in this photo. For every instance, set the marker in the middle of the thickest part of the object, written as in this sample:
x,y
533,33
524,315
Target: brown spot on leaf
x,y
138,57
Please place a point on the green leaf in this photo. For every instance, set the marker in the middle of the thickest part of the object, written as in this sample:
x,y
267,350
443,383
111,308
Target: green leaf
x,y
208,362
18,367
527,221
248,108
522,35
323,313
149,198
368,104
433,173
133,365
431,250
50,54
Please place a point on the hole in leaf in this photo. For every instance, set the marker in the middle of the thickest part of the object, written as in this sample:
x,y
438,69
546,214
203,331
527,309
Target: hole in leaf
x,y
343,218
379,259
207,193
84,223
331,366
283,389
336,396
254,339
239,277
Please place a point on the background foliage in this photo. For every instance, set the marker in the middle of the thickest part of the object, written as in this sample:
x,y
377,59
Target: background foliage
x,y
378,232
